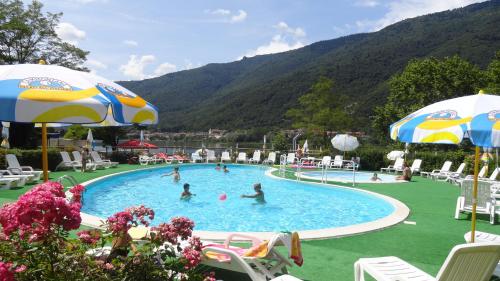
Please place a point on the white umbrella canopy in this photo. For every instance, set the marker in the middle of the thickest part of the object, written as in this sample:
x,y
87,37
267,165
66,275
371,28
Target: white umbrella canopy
x,y
5,135
344,142
305,147
90,138
393,155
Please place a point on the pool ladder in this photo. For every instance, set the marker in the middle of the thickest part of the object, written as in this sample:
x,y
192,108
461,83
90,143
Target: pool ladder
x,y
69,178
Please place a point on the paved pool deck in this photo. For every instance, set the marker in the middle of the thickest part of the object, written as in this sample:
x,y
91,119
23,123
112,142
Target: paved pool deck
x,y
424,243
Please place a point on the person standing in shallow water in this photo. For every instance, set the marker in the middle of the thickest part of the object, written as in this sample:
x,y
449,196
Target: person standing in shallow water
x,y
259,194
175,174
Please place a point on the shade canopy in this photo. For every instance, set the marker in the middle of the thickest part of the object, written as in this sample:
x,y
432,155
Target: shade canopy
x,y
344,142
135,144
395,154
476,117
37,93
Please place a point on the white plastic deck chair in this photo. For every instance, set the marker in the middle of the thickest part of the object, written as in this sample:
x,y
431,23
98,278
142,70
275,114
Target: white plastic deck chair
x,y
90,165
444,169
338,162
255,158
7,183
325,162
195,157
290,158
398,165
415,166
447,175
271,158
15,168
484,199
67,162
466,262
211,156
484,237
21,179
493,177
242,157
99,161
225,157
480,175
258,269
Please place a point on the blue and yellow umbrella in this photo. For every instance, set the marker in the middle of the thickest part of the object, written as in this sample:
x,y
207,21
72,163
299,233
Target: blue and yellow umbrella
x,y
476,117
39,93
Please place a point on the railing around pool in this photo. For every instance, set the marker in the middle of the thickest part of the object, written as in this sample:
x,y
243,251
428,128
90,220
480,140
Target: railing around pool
x,y
69,178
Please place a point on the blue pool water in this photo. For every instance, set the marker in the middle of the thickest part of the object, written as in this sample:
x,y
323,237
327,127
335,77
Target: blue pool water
x,y
346,176
290,205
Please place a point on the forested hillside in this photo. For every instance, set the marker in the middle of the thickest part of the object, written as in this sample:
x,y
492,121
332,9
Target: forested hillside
x,y
257,91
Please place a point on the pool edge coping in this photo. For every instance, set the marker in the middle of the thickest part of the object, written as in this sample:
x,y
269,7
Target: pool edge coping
x,y
400,213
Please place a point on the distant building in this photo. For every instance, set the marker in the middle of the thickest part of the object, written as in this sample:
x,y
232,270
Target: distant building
x,y
216,133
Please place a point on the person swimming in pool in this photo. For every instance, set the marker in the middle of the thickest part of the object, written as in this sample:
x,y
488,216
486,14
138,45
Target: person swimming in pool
x,y
175,174
186,194
225,169
217,167
375,177
259,194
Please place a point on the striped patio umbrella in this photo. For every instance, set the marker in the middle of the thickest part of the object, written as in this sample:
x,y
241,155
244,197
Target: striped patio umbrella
x,y
39,93
476,117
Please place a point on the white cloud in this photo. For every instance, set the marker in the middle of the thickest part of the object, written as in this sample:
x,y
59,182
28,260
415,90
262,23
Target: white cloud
x,y
89,1
366,3
69,33
277,45
228,15
296,32
165,68
241,16
404,9
135,66
96,64
130,43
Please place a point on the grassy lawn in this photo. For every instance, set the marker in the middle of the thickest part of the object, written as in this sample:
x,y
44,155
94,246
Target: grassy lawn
x,y
424,245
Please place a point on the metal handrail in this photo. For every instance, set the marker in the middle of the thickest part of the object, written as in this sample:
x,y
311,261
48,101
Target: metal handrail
x,y
69,178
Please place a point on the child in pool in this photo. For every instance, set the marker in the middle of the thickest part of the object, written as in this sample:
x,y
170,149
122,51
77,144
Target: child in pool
x,y
217,167
186,194
259,194
375,177
175,174
225,169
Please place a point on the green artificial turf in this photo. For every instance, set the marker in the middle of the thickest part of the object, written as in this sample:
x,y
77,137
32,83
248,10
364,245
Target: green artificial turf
x,y
425,245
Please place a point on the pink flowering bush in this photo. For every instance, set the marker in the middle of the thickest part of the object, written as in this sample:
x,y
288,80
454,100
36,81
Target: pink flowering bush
x,y
35,242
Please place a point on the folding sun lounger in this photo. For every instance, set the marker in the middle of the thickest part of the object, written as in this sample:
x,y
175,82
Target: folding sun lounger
x,y
398,165
99,161
271,158
225,157
255,158
15,168
242,157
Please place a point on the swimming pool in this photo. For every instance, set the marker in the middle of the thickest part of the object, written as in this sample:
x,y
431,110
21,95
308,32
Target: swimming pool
x,y
347,176
291,205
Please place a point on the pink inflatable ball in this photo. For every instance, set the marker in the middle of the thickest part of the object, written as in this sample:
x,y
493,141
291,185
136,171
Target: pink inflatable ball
x,y
223,197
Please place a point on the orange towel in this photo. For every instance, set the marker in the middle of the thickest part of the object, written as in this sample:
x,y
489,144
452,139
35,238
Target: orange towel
x,y
258,251
296,250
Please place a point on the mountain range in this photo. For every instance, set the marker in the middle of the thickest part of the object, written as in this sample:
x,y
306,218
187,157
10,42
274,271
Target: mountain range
x,y
256,92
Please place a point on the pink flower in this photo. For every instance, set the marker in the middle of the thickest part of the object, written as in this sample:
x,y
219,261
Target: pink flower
x,y
120,223
20,268
77,191
89,236
109,266
183,226
210,277
6,273
192,257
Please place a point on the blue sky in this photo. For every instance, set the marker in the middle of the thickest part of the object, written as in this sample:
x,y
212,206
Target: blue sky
x,y
132,40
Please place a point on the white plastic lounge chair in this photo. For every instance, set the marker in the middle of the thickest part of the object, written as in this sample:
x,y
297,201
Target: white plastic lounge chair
x,y
7,183
493,177
211,156
415,166
338,162
271,158
290,158
466,262
15,168
483,237
398,165
145,160
258,269
67,162
484,199
480,175
325,162
444,169
242,157
195,157
99,161
21,179
225,157
90,165
447,175
255,158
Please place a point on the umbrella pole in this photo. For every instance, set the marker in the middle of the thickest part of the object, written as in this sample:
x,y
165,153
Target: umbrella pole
x,y
45,162
474,196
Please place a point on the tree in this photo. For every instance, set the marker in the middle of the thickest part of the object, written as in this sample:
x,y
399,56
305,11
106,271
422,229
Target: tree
x,y
424,82
279,142
321,109
28,35
76,132
109,135
493,73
